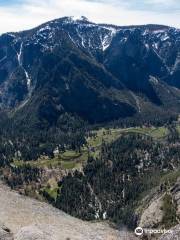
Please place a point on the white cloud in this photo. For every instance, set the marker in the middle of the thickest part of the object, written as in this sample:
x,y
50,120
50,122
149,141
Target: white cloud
x,y
31,13
166,2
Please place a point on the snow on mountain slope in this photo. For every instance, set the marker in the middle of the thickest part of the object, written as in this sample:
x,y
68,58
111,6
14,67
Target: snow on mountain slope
x,y
131,54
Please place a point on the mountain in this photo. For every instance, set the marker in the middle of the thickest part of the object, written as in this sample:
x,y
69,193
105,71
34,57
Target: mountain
x,y
69,73
99,72
89,120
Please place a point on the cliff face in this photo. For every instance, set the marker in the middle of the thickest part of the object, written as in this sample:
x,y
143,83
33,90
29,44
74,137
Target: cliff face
x,y
162,212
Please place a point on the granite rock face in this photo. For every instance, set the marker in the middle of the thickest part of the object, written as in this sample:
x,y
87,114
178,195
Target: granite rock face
x,y
29,219
31,233
174,235
153,214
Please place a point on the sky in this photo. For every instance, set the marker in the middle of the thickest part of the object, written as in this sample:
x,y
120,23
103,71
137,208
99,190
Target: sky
x,y
16,15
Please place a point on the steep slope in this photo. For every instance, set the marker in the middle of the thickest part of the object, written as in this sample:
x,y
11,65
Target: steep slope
x,y
30,219
81,65
175,234
67,73
46,60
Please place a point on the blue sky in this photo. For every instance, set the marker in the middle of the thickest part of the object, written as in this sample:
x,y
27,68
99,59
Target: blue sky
x,y
18,15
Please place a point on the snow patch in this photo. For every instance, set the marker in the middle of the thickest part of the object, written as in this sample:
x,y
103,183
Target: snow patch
x,y
158,31
28,79
155,45
147,46
19,54
108,38
19,57
47,27
79,18
165,37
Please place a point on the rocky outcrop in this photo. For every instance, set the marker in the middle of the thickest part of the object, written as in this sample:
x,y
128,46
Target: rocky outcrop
x,y
175,191
173,235
29,219
5,233
153,214
32,233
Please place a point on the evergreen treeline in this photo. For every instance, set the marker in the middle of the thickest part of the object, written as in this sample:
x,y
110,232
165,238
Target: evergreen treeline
x,y
26,142
111,185
16,177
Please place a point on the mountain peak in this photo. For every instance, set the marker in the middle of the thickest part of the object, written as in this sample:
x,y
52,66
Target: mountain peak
x,y
71,19
81,18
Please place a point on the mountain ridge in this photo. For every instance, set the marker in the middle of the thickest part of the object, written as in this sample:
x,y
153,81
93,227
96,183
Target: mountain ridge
x,y
72,94
43,30
88,72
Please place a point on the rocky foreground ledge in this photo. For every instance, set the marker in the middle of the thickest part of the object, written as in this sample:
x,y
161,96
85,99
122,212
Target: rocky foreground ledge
x,y
23,218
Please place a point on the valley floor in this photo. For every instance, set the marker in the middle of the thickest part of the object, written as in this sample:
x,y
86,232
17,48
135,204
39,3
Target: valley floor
x,y
29,219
